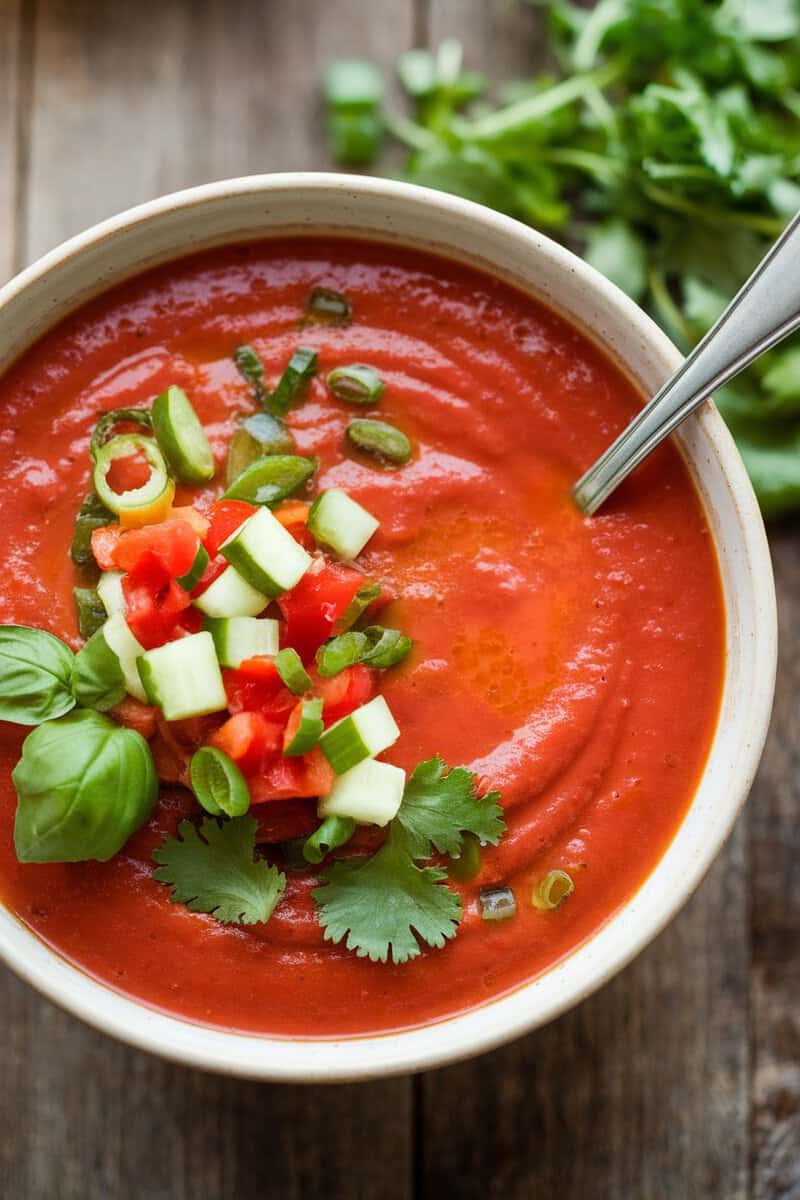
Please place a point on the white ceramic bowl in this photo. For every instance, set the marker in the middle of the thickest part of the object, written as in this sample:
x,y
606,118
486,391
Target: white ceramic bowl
x,y
259,206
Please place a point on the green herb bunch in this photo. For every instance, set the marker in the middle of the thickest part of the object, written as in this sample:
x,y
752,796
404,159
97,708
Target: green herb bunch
x,y
665,147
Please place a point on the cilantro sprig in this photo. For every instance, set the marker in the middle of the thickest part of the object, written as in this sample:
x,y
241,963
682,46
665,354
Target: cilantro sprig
x,y
386,905
665,147
211,869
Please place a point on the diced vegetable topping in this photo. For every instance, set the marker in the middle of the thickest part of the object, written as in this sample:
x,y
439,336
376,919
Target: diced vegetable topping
x,y
257,436
331,834
304,728
327,307
141,499
92,515
181,436
238,638
381,441
338,521
183,678
365,733
266,555
290,667
128,650
230,595
270,480
301,368
370,794
218,783
551,892
91,610
356,384
196,571
109,589
497,903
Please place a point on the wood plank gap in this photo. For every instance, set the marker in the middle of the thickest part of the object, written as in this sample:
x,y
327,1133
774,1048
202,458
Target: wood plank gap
x,y
421,22
26,43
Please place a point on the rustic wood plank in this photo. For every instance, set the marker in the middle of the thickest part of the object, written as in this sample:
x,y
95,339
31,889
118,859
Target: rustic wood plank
x,y
13,61
774,822
134,100
130,101
642,1091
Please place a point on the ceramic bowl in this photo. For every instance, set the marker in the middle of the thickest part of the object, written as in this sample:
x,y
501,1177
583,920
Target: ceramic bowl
x,y
271,205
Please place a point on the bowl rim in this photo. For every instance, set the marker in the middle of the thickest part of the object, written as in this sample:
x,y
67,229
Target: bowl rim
x,y
463,1034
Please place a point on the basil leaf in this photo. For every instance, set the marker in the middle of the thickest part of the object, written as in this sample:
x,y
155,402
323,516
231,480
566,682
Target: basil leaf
x,y
84,785
387,646
376,646
341,652
97,680
35,672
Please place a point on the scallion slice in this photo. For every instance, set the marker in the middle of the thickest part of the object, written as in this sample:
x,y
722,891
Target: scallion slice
x,y
305,736
250,368
218,783
127,445
271,479
290,667
91,611
553,890
497,903
385,442
331,834
300,369
257,436
356,384
117,416
181,437
327,307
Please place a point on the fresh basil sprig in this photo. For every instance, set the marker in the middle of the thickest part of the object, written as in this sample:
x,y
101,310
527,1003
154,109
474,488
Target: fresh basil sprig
x,y
35,670
84,785
375,646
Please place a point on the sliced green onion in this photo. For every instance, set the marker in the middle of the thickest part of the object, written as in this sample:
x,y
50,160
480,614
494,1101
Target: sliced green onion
x,y
291,670
382,441
357,606
123,446
553,890
326,307
218,783
356,384
181,437
92,514
497,903
250,367
106,424
270,480
91,611
257,436
387,647
195,572
468,864
331,834
301,368
308,731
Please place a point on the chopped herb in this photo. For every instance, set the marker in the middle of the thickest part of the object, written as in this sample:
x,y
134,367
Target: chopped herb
x,y
376,438
376,646
440,806
251,368
327,307
301,368
271,479
212,870
356,384
91,611
289,666
92,514
366,595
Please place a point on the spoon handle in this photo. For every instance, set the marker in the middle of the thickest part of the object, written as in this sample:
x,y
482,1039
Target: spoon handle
x,y
766,310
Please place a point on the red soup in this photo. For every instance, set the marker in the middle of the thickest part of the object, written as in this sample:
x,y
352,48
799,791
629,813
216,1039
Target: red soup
x,y
438,604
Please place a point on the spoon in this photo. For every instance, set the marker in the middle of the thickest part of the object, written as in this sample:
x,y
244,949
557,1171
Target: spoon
x,y
766,310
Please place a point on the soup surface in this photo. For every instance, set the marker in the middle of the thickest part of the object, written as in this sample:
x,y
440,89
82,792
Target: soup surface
x,y
575,665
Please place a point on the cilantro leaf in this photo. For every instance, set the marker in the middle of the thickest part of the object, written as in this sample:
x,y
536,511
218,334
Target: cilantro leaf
x,y
385,905
212,870
440,806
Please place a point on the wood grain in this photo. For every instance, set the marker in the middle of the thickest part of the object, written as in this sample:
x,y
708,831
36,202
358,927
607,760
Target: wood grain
x,y
774,824
13,71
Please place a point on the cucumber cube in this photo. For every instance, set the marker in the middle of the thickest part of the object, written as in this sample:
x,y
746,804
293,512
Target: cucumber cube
x,y
266,555
231,596
183,678
338,521
370,794
368,731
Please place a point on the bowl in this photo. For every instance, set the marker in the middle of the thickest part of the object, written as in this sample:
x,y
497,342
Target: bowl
x,y
268,205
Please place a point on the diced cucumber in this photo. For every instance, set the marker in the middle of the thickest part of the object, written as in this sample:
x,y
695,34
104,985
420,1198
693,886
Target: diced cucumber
x,y
231,596
238,638
181,436
194,574
183,677
338,521
127,649
109,589
309,728
266,555
368,731
370,794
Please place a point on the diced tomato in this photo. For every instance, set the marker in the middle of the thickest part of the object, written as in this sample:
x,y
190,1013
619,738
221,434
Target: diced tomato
x,y
344,692
154,605
190,621
172,546
293,515
256,686
135,715
225,518
312,608
250,740
285,820
309,775
104,545
213,571
186,512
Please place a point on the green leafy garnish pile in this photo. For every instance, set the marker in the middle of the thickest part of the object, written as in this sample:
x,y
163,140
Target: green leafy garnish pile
x,y
385,904
665,146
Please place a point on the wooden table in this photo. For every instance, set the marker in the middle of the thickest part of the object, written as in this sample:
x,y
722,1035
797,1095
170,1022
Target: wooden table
x,y
681,1079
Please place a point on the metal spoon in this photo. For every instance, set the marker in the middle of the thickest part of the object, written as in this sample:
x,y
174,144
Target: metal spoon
x,y
764,312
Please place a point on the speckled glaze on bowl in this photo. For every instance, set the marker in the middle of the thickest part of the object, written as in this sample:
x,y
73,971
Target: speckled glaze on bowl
x,y
271,205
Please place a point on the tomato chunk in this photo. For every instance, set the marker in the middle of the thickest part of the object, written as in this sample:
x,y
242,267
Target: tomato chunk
x,y
344,692
225,518
104,545
313,607
285,820
154,605
172,546
256,686
310,775
250,740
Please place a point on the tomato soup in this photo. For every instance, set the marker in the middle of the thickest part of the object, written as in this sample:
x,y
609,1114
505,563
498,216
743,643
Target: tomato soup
x,y
573,664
